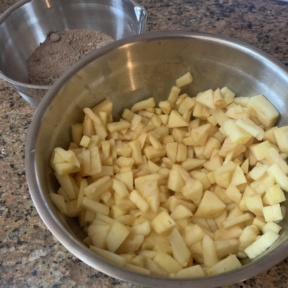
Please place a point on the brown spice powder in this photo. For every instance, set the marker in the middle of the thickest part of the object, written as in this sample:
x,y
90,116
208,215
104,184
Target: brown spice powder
x,y
60,51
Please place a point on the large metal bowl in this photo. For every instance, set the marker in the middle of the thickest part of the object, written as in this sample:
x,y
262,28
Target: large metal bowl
x,y
133,69
28,23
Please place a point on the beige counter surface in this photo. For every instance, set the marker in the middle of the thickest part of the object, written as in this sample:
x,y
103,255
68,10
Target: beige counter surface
x,y
29,255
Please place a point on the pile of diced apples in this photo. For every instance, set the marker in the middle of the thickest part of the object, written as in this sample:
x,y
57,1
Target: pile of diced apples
x,y
185,188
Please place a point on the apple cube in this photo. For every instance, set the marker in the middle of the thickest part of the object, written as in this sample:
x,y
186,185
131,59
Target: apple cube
x,y
167,262
210,206
273,213
116,236
274,195
263,111
261,244
180,251
162,222
229,263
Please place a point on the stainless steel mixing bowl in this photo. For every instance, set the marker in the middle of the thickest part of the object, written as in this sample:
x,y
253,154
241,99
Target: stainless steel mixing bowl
x,y
134,69
28,23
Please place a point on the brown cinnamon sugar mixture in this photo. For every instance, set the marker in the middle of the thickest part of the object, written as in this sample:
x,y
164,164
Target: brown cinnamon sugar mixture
x,y
60,51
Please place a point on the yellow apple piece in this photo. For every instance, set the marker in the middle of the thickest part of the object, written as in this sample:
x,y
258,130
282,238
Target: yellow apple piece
x,y
144,104
176,120
181,212
263,111
183,80
194,271
251,127
162,222
180,251
274,195
59,202
280,178
116,236
261,244
273,213
226,247
229,263
167,262
206,98
281,136
235,133
210,206
210,257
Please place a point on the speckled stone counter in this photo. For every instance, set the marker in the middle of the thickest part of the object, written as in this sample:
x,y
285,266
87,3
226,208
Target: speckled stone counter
x,y
29,255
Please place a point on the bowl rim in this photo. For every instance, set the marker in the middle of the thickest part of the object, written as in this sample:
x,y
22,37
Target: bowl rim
x,y
78,249
5,15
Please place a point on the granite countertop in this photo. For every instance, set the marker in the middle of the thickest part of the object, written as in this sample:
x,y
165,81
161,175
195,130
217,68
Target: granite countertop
x,y
29,255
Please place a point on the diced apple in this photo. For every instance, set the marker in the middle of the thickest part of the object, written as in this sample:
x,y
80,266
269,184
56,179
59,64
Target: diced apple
x,y
193,190
194,271
144,104
193,234
259,150
206,98
209,251
250,127
116,236
263,111
274,195
280,178
166,262
229,263
261,244
272,213
235,133
181,212
210,206
226,247
180,251
59,202
185,79
162,222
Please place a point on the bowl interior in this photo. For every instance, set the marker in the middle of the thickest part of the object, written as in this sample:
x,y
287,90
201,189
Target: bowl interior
x,y
28,25
129,71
